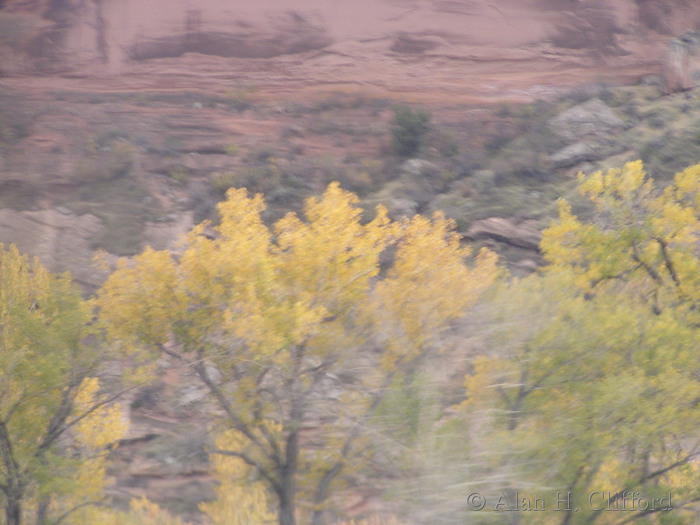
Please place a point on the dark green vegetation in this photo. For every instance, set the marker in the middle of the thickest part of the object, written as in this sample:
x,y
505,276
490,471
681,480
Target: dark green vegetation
x,y
409,128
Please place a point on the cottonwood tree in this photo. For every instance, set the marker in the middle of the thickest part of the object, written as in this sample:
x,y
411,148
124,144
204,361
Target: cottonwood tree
x,y
296,330
592,385
641,240
141,512
55,425
241,497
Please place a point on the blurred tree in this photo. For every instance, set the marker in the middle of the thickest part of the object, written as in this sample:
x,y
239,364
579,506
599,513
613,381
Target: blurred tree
x,y
141,512
641,241
592,387
241,497
409,128
295,330
55,426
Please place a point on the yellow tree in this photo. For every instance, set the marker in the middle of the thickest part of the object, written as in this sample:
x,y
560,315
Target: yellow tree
x,y
141,512
54,424
240,497
640,241
296,330
591,389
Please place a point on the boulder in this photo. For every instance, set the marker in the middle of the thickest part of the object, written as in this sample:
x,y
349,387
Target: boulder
x,y
593,118
416,168
60,239
579,152
574,154
524,234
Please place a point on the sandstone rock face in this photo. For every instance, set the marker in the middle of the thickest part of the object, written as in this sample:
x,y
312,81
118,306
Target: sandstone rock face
x,y
682,65
61,240
163,456
286,34
361,41
64,241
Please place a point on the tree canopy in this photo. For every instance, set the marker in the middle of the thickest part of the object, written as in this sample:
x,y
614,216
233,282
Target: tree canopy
x,y
592,383
298,327
314,337
55,424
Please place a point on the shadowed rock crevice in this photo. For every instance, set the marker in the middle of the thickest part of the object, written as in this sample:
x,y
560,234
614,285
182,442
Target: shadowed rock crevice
x,y
292,34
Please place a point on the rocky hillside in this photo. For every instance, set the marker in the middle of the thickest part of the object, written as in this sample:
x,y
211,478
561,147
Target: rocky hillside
x,y
122,124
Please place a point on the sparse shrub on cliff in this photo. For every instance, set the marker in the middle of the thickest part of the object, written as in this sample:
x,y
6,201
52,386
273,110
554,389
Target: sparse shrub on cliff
x,y
239,98
668,153
286,182
121,158
445,143
223,180
104,163
657,122
16,119
179,173
409,128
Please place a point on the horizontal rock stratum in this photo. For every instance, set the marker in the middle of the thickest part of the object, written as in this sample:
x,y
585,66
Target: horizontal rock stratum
x,y
482,46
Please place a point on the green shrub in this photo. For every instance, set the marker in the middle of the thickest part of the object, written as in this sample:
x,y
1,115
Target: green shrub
x,y
95,165
239,98
262,177
671,152
445,143
222,181
121,158
232,150
179,173
408,130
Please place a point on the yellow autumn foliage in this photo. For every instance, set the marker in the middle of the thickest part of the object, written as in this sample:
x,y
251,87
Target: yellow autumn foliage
x,y
591,381
141,512
55,426
240,498
282,312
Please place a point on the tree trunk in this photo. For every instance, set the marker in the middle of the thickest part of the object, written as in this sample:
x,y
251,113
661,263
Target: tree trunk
x,y
288,472
42,511
288,481
13,511
286,511
322,492
101,27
